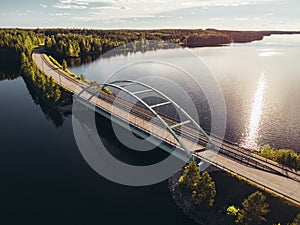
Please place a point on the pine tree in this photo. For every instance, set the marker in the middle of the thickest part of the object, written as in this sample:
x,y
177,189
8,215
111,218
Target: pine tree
x,y
201,186
205,191
57,94
253,210
64,65
191,176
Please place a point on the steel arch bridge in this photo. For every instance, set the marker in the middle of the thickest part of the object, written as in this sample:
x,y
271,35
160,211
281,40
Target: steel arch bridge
x,y
95,89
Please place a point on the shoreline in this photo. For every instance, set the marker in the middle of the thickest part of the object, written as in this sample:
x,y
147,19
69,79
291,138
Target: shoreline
x,y
230,191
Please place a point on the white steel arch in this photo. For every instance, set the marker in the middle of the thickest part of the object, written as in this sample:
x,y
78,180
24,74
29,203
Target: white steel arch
x,y
121,84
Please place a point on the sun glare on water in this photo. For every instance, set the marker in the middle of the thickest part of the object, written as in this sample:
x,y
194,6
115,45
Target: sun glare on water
x,y
255,117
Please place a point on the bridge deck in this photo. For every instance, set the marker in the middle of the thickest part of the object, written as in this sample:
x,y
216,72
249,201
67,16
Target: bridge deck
x,y
287,186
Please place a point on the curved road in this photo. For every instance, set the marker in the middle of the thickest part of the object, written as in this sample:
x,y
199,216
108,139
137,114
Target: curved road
x,y
281,181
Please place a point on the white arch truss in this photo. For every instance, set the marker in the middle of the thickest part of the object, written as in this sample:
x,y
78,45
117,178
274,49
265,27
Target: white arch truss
x,y
121,84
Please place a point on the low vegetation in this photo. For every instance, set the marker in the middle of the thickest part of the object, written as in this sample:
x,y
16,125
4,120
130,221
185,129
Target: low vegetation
x,y
54,61
107,90
286,157
64,67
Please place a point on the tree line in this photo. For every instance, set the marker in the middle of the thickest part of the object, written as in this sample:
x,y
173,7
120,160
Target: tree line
x,y
17,46
286,157
64,43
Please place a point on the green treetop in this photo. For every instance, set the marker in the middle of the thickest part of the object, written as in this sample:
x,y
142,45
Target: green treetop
x,y
64,65
253,211
201,186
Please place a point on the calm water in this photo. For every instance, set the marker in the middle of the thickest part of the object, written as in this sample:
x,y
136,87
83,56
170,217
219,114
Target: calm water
x,y
44,179
260,82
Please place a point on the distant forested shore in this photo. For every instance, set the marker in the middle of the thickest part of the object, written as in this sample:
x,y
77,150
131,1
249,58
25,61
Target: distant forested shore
x,y
67,43
16,45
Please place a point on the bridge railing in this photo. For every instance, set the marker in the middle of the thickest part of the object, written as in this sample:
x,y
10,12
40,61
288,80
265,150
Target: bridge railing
x,y
182,132
259,185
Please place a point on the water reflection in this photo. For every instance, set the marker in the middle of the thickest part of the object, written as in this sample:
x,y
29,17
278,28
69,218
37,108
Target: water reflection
x,y
9,71
237,68
55,112
75,62
255,117
268,53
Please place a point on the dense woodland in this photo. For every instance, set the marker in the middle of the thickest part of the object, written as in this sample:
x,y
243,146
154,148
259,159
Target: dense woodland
x,y
73,43
63,43
16,46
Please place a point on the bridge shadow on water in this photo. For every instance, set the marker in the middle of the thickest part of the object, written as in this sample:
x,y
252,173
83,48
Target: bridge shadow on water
x,y
57,112
106,133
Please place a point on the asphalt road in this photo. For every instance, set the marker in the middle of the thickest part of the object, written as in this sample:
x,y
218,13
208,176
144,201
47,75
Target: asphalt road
x,y
287,185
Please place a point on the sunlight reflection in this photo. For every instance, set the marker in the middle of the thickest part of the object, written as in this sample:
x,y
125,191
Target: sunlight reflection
x,y
254,123
268,53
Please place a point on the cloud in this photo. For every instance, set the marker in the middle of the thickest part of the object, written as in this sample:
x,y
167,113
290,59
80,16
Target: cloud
x,y
69,6
22,14
60,14
164,16
216,18
72,4
157,5
88,2
44,5
105,7
98,10
241,18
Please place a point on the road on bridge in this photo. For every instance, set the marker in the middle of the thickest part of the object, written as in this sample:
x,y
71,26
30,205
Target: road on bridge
x,y
287,185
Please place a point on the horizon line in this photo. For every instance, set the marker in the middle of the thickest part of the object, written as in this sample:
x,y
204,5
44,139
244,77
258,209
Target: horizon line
x,y
165,28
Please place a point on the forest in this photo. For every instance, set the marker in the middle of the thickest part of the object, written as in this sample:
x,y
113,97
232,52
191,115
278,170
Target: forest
x,y
16,45
63,43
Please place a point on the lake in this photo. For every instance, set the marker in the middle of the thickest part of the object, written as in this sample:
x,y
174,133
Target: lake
x,y
259,80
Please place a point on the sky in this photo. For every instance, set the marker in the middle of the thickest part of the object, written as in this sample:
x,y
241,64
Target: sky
x,y
152,14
